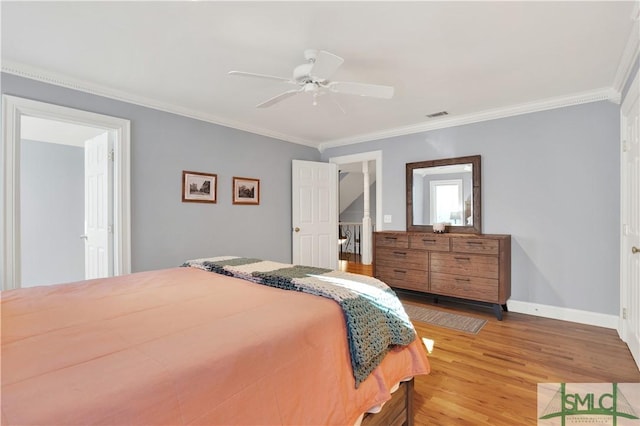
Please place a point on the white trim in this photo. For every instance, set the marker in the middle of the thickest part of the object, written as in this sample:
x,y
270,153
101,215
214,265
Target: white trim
x,y
433,200
49,77
13,108
606,94
10,218
564,314
367,156
626,334
630,53
629,56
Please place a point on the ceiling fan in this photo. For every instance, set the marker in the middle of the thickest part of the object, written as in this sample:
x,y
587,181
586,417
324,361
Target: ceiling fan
x,y
314,77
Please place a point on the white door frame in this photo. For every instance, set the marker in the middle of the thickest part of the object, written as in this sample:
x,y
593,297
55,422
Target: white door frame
x,y
13,108
629,308
359,158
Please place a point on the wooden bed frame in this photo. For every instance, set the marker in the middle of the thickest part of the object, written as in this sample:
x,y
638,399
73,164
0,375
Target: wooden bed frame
x,y
396,412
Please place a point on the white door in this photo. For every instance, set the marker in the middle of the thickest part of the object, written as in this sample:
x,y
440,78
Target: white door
x,y
315,214
630,219
98,190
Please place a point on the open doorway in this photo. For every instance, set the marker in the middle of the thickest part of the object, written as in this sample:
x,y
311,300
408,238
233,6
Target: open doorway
x,y
359,212
61,202
26,187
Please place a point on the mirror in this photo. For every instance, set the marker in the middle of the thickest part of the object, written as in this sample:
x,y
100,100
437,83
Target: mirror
x,y
444,191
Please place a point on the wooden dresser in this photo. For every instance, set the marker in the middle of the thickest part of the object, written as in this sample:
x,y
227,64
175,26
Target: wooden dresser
x,y
467,266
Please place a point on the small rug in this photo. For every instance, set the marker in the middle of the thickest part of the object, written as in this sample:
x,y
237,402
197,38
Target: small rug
x,y
444,319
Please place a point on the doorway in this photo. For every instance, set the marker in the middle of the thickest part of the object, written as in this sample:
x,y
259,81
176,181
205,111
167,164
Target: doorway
x,y
15,110
365,216
55,201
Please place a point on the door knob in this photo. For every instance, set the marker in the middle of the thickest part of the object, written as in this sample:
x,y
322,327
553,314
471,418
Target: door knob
x,y
296,229
84,237
635,250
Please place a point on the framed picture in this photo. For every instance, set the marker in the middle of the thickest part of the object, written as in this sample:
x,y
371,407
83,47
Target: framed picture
x,y
246,190
199,187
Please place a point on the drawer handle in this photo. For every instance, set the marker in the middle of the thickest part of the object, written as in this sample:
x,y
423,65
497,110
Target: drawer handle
x,y
391,238
399,271
466,280
462,258
400,253
478,243
424,240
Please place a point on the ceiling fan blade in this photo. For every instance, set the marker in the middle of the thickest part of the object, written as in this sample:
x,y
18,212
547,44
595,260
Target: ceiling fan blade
x,y
335,101
278,98
361,89
325,65
262,76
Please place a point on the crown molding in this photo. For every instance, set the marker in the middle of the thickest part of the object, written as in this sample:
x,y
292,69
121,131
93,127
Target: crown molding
x,y
45,76
630,53
606,94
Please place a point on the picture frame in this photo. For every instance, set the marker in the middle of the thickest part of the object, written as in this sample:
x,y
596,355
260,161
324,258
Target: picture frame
x,y
246,191
199,187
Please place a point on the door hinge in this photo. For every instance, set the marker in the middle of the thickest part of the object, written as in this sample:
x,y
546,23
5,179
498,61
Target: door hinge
x,y
112,155
110,229
624,313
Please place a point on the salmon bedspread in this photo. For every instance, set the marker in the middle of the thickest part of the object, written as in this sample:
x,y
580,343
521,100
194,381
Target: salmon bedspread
x,y
375,318
184,346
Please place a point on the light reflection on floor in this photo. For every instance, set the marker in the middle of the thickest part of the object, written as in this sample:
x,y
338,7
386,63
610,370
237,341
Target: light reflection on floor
x,y
429,344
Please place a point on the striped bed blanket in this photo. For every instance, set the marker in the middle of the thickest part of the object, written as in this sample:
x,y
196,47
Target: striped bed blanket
x,y
375,318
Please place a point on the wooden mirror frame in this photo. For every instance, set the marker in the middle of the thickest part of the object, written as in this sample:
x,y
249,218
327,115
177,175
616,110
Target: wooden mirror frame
x,y
476,228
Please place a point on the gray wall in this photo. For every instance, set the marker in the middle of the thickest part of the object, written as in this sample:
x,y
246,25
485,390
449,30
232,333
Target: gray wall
x,y
550,179
51,213
166,231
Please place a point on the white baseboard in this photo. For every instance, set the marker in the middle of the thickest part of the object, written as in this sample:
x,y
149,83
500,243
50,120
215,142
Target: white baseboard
x,y
565,314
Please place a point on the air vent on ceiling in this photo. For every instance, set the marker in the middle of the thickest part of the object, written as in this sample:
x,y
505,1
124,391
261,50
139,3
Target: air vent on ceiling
x,y
437,114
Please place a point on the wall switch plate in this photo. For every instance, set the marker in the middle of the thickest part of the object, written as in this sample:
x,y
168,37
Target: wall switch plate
x,y
387,218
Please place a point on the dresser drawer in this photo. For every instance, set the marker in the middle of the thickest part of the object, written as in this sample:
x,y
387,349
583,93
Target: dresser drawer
x,y
415,259
411,279
429,242
392,240
466,266
472,265
482,289
475,245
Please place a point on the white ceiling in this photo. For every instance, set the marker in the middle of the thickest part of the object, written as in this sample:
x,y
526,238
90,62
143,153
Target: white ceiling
x,y
477,60
44,130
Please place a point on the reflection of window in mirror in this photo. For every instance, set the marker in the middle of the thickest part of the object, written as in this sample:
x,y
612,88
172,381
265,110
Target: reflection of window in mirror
x,y
446,201
461,201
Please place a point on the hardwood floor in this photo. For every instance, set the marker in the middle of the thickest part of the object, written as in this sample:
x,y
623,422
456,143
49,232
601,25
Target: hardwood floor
x,y
491,378
356,268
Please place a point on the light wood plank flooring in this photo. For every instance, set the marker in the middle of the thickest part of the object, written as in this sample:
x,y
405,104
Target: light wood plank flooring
x,y
491,378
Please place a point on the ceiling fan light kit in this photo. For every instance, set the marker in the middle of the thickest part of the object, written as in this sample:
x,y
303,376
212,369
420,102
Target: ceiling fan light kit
x,y
314,77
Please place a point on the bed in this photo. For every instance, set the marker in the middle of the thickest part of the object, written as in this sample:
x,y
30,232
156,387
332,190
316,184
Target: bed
x,y
188,346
